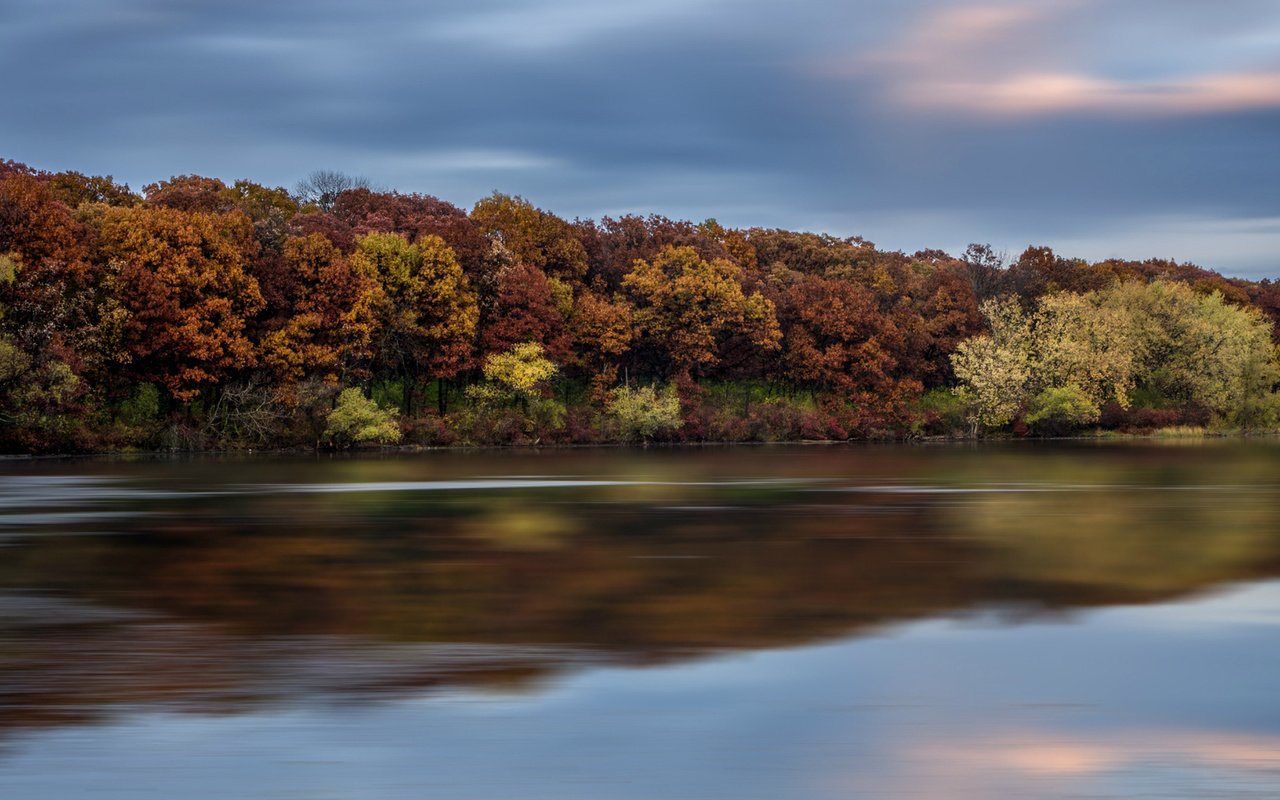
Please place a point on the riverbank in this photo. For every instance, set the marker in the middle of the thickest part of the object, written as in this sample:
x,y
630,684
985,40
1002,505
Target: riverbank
x,y
1171,435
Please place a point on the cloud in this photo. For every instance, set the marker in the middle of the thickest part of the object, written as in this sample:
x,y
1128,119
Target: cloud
x,y
477,159
552,25
953,35
929,122
1062,57
1053,93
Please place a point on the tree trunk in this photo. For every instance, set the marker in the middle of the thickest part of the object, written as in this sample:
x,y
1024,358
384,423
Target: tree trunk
x,y
406,394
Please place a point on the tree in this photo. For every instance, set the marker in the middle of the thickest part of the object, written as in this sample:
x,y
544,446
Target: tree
x,y
191,193
523,233
602,331
269,209
329,326
521,374
428,313
1061,409
186,295
1038,271
993,368
35,389
1079,342
813,253
1077,351
74,188
1194,349
528,307
983,268
687,309
414,216
322,187
946,314
835,336
49,298
614,244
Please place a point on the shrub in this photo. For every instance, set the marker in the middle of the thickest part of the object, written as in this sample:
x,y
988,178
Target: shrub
x,y
1061,409
1257,412
356,420
943,412
644,413
1145,419
429,431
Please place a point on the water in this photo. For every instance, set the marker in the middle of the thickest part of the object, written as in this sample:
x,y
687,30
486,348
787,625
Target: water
x,y
1025,620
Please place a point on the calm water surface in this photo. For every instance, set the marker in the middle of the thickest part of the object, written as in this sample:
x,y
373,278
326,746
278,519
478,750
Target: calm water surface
x,y
802,622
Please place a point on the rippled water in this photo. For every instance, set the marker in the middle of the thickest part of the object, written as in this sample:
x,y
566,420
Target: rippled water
x,y
805,622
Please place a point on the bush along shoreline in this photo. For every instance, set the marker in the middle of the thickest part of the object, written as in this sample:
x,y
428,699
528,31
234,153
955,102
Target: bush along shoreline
x,y
202,315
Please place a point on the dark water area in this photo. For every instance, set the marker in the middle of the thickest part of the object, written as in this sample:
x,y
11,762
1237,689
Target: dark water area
x,y
1022,620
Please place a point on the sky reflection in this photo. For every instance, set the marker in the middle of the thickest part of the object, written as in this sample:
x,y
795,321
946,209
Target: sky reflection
x,y
1110,703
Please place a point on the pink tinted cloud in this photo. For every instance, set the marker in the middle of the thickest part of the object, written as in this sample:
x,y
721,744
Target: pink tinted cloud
x,y
1035,93
1019,59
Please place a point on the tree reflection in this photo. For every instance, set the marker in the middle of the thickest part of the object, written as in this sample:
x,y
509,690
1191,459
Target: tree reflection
x,y
249,590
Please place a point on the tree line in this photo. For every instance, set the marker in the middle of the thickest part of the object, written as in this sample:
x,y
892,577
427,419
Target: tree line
x,y
198,314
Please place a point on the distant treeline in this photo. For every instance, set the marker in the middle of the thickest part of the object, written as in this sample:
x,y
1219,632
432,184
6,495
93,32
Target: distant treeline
x,y
200,315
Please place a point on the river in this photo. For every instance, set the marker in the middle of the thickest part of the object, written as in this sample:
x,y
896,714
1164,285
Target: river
x,y
960,621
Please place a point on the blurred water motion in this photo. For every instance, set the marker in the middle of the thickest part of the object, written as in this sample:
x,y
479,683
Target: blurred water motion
x,y
1029,620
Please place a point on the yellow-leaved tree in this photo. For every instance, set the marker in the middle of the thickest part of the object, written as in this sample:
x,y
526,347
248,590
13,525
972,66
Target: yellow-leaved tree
x,y
1164,342
520,374
1196,349
993,368
428,312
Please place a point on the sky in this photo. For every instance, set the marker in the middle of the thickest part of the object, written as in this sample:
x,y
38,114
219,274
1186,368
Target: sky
x,y
1131,128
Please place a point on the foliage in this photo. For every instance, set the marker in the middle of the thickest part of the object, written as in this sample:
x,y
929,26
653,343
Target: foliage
x,y
200,313
519,374
602,330
187,296
525,309
1081,343
1195,349
943,412
246,413
143,408
356,419
361,211
426,311
332,317
521,377
644,412
1062,409
993,369
1077,352
524,234
688,308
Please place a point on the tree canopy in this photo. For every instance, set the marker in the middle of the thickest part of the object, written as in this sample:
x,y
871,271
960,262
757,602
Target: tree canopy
x,y
200,308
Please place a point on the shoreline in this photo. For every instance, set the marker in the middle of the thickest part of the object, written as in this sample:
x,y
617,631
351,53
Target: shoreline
x,y
1102,437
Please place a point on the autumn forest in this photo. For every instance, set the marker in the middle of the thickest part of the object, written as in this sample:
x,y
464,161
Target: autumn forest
x,y
200,315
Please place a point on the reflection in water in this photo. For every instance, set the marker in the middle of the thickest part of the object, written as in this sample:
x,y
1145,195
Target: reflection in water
x,y
130,590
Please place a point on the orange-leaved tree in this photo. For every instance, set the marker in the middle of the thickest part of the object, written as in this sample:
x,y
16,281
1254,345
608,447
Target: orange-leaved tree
x,y
182,282
331,323
687,309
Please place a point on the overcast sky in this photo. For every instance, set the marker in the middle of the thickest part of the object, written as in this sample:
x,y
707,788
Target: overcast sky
x,y
1136,128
